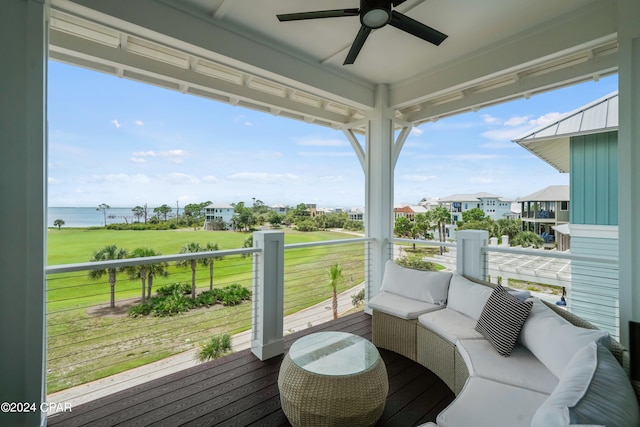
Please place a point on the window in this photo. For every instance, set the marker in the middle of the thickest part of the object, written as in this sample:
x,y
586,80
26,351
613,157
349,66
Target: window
x,y
564,206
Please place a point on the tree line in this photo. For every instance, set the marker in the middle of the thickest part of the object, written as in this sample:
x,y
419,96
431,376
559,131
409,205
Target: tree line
x,y
423,225
148,272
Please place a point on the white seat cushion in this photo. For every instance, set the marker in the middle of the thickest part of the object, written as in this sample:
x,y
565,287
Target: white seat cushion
x,y
427,286
467,297
521,369
450,325
399,306
486,403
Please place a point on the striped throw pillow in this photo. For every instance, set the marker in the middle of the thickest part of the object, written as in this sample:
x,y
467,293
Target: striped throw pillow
x,y
502,319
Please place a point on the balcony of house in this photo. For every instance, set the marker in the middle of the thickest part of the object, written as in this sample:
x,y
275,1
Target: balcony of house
x,y
118,369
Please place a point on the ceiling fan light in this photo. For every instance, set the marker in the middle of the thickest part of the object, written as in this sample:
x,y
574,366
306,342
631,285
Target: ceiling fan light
x,y
376,18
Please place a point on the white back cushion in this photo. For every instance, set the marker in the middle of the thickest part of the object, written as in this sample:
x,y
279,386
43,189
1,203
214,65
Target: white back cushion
x,y
467,297
553,340
427,286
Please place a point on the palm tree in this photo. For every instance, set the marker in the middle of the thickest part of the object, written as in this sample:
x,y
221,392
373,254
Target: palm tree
x,y
155,270
58,223
209,261
109,252
104,208
441,217
335,277
147,272
191,248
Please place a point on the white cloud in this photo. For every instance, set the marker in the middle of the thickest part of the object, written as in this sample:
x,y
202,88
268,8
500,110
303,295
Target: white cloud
x,y
546,119
490,119
248,124
331,178
179,178
139,123
137,160
209,179
322,142
506,134
144,154
475,156
173,156
119,178
517,121
325,153
262,177
116,123
53,181
481,179
416,131
499,145
418,178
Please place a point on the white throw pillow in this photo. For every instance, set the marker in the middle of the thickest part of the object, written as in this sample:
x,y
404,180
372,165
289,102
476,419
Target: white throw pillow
x,y
467,297
553,340
427,286
593,390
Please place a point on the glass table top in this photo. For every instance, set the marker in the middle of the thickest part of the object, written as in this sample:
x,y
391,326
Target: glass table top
x,y
333,353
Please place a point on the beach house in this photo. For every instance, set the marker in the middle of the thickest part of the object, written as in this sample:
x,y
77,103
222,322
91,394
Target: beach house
x,y
585,144
544,209
217,216
239,53
493,206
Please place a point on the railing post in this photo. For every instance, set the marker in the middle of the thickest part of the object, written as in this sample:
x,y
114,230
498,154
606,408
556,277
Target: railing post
x,y
472,260
268,294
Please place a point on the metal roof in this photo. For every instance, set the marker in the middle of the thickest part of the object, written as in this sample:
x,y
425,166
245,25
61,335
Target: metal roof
x,y
551,142
552,193
472,197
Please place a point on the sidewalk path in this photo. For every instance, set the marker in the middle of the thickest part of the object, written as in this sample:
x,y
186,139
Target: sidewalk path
x,y
303,319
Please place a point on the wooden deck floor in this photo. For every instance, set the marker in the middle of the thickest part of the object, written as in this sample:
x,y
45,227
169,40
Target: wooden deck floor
x,y
240,390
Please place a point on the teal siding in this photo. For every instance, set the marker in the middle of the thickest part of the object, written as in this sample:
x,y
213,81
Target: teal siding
x,y
594,179
594,293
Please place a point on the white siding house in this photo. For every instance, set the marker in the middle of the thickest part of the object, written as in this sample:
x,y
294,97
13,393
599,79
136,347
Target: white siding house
x,y
217,217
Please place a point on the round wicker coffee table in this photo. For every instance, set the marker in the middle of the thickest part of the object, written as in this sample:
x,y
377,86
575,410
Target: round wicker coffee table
x,y
333,379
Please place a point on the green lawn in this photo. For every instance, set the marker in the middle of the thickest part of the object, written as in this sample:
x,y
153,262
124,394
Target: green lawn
x,y
86,341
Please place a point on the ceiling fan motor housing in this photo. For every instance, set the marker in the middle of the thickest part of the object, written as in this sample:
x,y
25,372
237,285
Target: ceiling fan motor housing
x,y
375,13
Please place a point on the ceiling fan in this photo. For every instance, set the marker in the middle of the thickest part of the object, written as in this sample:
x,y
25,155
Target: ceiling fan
x,y
373,14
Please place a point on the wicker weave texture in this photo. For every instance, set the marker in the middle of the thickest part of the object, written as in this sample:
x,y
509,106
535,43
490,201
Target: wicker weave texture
x,y
394,334
462,372
436,354
310,400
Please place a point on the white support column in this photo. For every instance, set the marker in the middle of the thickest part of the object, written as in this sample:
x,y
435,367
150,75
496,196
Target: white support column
x,y
628,161
472,260
268,295
378,189
23,65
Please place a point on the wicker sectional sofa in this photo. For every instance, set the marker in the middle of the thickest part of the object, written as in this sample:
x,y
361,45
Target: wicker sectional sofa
x,y
561,370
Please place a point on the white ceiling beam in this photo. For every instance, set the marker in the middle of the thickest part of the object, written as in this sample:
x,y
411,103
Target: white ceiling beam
x,y
84,52
196,33
579,30
524,87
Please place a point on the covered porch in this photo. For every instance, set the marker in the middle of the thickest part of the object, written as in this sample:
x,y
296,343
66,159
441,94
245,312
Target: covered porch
x,y
236,52
241,390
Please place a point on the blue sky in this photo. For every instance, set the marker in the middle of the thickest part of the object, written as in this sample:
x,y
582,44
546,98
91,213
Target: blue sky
x,y
124,143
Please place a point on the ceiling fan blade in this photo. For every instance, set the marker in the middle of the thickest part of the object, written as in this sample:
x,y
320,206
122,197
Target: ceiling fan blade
x,y
357,45
418,29
336,13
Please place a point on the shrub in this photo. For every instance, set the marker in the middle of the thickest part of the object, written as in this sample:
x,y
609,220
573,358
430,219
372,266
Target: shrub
x,y
416,262
214,348
173,304
184,288
358,298
208,298
140,310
